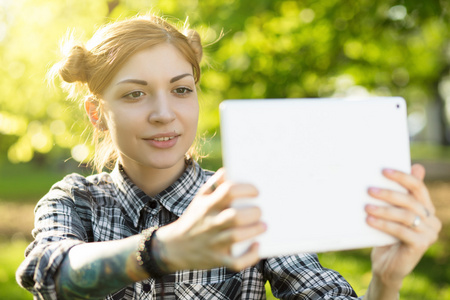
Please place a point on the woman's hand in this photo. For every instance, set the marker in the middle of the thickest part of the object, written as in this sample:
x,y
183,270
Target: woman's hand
x,y
202,237
411,219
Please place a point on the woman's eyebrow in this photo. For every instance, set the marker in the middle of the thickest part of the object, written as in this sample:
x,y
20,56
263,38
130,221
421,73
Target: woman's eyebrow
x,y
176,78
137,81
143,82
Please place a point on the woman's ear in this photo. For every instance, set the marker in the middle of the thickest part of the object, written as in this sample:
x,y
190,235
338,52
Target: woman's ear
x,y
92,109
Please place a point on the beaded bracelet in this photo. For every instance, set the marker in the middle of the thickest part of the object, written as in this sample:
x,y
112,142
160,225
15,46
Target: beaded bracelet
x,y
145,256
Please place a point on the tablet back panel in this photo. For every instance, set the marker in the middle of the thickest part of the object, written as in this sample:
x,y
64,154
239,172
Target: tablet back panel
x,y
312,161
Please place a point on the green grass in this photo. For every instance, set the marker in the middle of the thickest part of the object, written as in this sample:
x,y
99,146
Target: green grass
x,y
29,182
10,258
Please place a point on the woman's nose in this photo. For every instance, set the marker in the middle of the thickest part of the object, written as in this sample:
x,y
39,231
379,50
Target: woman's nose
x,y
161,111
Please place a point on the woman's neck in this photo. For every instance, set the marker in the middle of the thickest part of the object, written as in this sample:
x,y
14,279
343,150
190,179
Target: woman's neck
x,y
153,181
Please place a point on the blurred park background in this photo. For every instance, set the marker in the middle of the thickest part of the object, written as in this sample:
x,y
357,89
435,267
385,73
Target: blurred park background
x,y
270,49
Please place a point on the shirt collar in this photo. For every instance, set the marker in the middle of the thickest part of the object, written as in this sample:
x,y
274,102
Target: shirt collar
x,y
175,198
131,198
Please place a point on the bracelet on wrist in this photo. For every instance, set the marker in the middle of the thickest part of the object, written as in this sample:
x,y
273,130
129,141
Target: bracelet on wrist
x,y
147,258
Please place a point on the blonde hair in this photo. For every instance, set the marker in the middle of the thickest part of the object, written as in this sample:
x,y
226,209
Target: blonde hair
x,y
86,70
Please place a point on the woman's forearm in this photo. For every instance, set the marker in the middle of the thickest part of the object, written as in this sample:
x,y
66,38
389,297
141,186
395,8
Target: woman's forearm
x,y
95,270
379,291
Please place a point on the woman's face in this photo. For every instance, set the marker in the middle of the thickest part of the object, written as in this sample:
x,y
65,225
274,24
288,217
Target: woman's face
x,y
151,109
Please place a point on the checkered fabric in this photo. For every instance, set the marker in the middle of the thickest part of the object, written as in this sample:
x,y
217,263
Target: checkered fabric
x,y
106,207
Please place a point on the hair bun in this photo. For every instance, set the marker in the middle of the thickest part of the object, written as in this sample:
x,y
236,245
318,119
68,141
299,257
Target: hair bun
x,y
73,67
195,42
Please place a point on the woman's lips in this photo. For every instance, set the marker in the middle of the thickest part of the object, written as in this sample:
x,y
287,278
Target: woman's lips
x,y
163,141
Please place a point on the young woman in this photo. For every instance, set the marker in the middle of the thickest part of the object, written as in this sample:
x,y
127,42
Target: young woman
x,y
158,224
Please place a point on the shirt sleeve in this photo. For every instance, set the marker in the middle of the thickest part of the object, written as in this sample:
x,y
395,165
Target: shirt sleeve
x,y
58,228
303,277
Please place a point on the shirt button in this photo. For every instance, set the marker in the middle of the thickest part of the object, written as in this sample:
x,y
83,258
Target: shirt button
x,y
153,204
147,287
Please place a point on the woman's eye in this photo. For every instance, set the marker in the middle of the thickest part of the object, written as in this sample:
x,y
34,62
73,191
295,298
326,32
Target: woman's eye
x,y
134,95
182,91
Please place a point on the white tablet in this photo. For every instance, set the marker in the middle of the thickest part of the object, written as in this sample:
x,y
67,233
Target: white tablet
x,y
312,161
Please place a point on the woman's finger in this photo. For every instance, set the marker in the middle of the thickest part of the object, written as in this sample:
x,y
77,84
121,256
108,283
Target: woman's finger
x,y
403,233
249,258
227,192
414,185
418,171
211,185
239,234
235,217
407,219
421,236
398,215
400,199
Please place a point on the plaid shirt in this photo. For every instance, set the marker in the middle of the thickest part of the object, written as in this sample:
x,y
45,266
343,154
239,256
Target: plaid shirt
x,y
106,207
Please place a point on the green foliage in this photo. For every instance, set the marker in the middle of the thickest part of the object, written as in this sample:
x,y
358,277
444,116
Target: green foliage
x,y
271,49
430,152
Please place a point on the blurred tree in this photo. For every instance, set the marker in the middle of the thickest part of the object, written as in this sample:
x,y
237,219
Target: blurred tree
x,y
271,49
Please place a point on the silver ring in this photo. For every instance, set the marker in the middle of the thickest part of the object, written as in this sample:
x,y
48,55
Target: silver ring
x,y
213,186
416,222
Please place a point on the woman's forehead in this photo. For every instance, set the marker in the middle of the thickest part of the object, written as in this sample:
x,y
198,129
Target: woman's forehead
x,y
160,61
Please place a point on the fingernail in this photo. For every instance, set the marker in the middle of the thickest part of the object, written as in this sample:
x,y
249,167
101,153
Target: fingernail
x,y
371,219
264,226
374,190
389,171
371,207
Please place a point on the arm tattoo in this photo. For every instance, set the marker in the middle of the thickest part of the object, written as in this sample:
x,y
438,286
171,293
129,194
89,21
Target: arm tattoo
x,y
94,270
